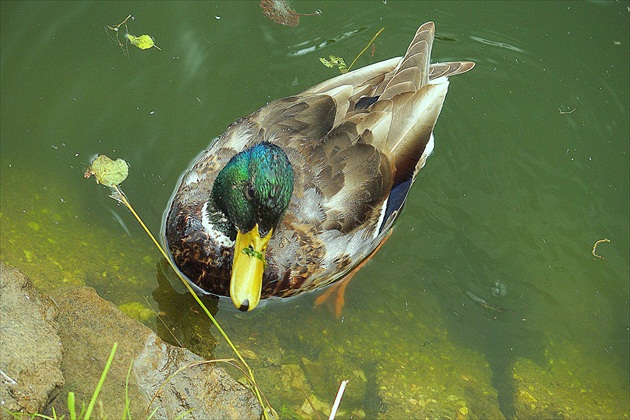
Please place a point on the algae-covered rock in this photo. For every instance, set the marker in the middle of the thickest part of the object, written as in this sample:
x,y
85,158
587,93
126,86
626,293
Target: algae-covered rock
x,y
137,311
30,348
328,370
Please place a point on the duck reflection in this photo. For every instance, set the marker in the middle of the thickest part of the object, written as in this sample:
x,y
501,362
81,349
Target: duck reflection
x,y
180,319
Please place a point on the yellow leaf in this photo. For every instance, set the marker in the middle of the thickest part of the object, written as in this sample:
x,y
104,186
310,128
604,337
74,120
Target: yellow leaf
x,y
144,42
108,172
335,62
326,63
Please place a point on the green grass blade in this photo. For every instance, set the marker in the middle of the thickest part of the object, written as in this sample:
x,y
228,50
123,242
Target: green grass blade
x,y
127,413
88,412
71,406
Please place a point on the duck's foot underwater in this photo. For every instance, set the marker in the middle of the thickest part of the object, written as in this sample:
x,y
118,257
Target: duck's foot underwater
x,y
339,288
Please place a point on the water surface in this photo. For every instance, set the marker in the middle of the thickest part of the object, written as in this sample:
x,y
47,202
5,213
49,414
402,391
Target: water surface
x,y
488,284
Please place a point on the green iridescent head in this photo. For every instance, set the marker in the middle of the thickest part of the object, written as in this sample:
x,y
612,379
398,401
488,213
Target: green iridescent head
x,y
255,188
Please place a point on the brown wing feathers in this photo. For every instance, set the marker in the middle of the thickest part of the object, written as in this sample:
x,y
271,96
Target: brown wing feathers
x,y
386,137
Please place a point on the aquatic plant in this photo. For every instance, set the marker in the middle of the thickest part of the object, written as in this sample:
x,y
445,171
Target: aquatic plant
x,y
341,64
144,42
111,173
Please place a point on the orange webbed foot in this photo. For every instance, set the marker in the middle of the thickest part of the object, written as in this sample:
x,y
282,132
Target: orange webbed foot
x,y
339,288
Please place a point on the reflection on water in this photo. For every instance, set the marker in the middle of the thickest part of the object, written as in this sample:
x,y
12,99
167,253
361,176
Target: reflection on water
x,y
497,44
181,321
486,293
306,48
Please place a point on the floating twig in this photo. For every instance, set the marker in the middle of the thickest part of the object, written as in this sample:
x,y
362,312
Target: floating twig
x,y
594,251
116,28
366,47
124,22
9,380
566,112
341,64
335,407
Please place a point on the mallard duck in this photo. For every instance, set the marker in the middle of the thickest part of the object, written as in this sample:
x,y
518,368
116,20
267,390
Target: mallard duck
x,y
294,196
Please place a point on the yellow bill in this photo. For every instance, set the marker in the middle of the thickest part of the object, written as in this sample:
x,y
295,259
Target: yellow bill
x,y
248,268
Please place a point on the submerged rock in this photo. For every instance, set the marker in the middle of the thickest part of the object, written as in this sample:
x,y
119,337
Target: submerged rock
x,y
89,326
30,349
206,391
568,390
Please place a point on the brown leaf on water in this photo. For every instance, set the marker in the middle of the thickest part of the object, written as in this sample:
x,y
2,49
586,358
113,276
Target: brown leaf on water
x,y
280,12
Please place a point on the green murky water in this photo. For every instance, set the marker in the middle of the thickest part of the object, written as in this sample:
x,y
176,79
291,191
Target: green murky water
x,y
486,297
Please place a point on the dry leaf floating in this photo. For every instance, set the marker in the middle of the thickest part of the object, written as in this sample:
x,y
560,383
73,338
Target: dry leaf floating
x,y
280,12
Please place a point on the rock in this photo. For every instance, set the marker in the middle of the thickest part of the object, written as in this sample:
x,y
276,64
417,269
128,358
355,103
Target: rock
x,y
206,390
89,326
30,349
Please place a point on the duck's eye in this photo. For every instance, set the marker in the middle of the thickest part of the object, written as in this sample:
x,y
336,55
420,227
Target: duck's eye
x,y
249,192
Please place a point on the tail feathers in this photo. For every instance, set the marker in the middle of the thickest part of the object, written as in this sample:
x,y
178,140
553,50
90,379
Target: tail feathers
x,y
395,104
411,128
449,69
413,70
414,95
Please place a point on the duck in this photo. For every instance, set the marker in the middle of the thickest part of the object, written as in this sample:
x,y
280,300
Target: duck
x,y
295,196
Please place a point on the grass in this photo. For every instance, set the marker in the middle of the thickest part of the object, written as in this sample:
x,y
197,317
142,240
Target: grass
x,y
85,413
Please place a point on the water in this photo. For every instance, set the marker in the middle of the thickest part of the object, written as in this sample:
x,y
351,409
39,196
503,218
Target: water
x,y
488,283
